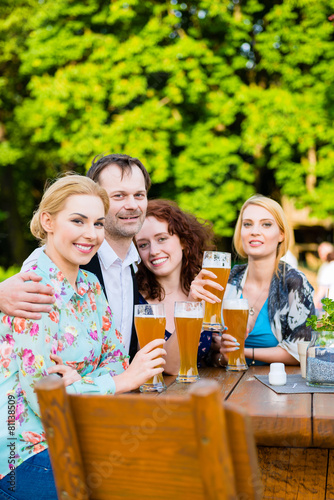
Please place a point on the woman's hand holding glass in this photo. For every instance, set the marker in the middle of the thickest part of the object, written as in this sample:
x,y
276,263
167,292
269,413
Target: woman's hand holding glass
x,y
147,363
227,343
197,290
223,344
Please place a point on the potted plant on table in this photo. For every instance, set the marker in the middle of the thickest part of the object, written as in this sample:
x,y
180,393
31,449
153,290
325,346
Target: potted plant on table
x,y
320,353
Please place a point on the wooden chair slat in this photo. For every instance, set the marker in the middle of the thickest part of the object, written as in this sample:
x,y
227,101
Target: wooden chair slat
x,y
60,430
212,439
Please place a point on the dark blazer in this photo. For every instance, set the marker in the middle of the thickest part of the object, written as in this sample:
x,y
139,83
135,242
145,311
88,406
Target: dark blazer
x,y
94,267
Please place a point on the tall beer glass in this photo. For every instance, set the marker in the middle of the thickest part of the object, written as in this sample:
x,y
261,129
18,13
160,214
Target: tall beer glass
x,y
235,318
220,264
150,323
188,323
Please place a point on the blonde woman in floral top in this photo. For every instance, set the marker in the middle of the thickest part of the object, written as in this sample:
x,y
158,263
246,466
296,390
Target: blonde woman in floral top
x,y
76,340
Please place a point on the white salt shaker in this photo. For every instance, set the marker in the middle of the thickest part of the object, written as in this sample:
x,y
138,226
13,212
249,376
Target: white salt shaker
x,y
277,375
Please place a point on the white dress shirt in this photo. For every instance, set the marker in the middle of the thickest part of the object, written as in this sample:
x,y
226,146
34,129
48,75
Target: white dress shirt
x,y
118,283
119,287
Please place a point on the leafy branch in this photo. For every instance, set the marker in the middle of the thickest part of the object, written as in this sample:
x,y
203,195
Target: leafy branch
x,y
326,322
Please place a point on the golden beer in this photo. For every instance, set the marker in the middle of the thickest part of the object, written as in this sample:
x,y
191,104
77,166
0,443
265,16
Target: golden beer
x,y
150,325
149,328
212,314
235,318
188,325
218,263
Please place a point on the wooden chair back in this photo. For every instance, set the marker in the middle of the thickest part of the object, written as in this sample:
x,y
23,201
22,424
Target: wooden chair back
x,y
141,447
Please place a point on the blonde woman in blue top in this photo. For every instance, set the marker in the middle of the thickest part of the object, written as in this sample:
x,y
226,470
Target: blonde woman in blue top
x,y
76,339
280,298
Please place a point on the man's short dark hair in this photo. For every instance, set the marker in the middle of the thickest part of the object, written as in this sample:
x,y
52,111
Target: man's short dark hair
x,y
124,162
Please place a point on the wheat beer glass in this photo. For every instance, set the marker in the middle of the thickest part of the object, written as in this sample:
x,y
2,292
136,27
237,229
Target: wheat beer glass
x,y
235,318
150,323
188,318
220,264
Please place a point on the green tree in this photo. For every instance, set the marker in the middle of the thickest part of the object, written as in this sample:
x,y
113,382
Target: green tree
x,y
289,113
219,99
15,157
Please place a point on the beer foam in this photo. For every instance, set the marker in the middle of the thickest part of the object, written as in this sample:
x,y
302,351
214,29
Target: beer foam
x,y
188,309
236,304
189,314
216,259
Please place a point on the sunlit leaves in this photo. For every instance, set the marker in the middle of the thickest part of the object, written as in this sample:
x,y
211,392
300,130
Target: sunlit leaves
x,y
214,96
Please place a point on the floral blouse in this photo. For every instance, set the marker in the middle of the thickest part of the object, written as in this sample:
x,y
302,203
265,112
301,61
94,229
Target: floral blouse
x,y
78,329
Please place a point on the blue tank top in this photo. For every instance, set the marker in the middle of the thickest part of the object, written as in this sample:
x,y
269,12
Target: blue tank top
x,y
261,335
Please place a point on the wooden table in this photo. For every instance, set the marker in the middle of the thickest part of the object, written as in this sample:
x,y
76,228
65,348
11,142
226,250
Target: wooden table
x,y
294,432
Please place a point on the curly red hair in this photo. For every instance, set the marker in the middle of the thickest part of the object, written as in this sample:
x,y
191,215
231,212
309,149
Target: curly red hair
x,y
195,237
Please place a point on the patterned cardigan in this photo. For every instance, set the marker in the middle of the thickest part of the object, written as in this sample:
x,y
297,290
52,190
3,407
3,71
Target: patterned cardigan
x,y
290,303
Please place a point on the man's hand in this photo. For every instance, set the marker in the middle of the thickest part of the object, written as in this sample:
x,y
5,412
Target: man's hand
x,y
22,295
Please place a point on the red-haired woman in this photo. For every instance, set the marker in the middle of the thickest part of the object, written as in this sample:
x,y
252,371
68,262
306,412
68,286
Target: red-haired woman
x,y
171,245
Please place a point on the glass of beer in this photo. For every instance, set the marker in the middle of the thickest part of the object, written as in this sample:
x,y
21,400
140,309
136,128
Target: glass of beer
x,y
220,264
235,318
150,323
188,323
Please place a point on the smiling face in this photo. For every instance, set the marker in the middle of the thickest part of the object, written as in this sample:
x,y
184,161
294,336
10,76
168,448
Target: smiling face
x,y
128,201
160,251
75,233
260,234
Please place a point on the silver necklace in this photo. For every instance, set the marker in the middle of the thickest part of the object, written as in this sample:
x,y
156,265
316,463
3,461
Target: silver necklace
x,y
252,308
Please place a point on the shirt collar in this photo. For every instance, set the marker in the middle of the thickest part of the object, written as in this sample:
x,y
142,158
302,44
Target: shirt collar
x,y
63,289
108,256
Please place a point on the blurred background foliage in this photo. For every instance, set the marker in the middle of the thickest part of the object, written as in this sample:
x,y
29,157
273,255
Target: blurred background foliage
x,y
219,98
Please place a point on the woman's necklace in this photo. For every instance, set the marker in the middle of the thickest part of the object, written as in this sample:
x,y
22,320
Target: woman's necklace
x,y
252,308
251,311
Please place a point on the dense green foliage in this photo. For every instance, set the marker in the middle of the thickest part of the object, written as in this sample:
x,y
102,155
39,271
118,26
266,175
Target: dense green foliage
x,y
326,322
7,273
219,99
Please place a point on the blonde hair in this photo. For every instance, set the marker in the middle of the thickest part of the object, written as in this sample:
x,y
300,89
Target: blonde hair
x,y
56,194
277,212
